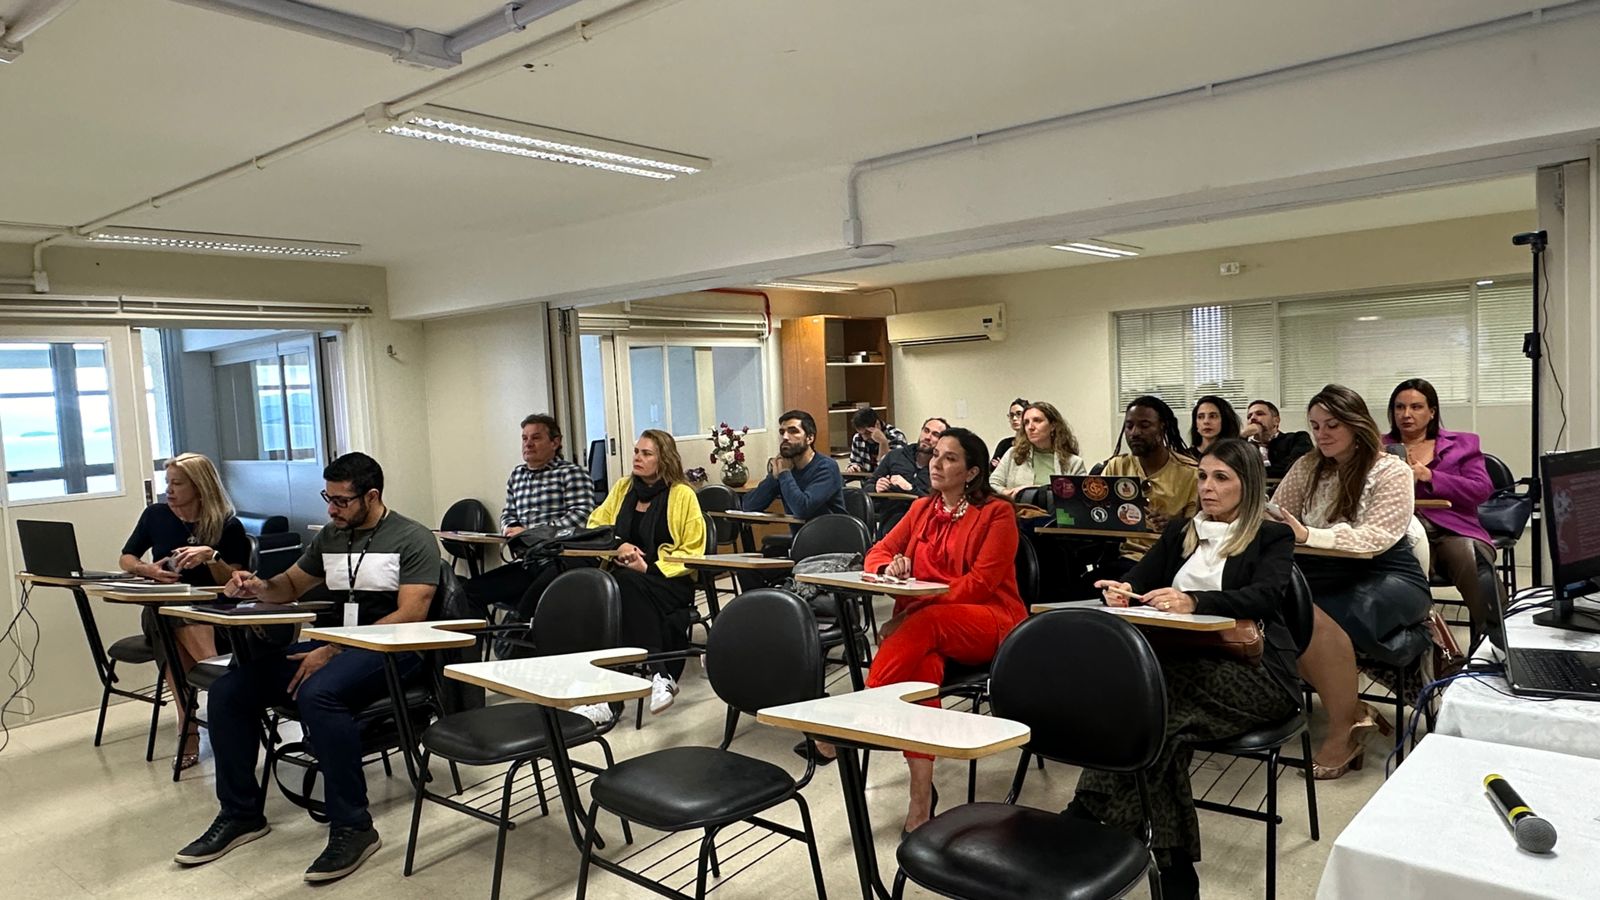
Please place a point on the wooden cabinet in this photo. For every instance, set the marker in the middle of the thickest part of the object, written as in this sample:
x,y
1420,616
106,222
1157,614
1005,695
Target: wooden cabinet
x,y
833,365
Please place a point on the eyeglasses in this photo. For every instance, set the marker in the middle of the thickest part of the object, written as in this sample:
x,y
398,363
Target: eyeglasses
x,y
336,501
1013,415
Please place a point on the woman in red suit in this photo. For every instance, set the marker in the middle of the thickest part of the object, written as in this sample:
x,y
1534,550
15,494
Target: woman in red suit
x,y
964,535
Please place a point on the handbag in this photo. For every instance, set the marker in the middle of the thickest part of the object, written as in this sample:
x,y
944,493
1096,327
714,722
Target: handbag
x,y
1244,642
1505,513
544,542
1447,656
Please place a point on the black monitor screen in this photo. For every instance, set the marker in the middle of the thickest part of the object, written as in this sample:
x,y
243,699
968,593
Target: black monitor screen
x,y
1572,513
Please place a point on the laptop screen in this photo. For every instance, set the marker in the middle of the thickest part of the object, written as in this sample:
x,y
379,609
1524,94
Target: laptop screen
x,y
1571,497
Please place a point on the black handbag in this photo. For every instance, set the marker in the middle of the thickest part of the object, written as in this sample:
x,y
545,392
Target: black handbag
x,y
1505,513
544,542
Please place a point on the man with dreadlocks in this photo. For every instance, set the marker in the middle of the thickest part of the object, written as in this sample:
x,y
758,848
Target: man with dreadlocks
x,y
1158,456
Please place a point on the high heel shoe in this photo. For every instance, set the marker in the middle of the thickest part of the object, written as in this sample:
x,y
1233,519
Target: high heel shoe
x,y
1371,719
1356,760
808,752
933,810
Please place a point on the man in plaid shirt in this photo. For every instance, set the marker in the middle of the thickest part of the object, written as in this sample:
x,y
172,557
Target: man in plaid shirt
x,y
873,439
544,490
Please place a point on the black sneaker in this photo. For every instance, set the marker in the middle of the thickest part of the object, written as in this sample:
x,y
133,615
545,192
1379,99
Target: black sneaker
x,y
347,849
224,834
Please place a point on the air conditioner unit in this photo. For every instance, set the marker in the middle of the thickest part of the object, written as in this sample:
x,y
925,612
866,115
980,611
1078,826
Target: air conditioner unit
x,y
949,326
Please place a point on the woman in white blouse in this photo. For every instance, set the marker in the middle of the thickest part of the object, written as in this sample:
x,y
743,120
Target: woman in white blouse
x,y
1227,561
1045,447
1350,495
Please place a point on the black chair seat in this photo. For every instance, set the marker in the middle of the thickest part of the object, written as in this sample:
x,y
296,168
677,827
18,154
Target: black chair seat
x,y
496,734
990,851
1259,740
825,607
415,696
960,676
132,649
204,675
681,788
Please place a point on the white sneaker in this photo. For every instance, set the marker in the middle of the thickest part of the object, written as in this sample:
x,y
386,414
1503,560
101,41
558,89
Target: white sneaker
x,y
598,713
663,690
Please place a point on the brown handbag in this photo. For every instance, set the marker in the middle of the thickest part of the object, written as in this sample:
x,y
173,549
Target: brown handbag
x,y
1241,643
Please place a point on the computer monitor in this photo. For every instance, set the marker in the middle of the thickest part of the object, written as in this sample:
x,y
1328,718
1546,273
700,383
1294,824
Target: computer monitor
x,y
1571,515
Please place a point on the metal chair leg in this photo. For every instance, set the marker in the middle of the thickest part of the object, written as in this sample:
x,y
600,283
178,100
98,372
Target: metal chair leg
x,y
811,846
1272,823
587,858
711,852
1311,783
538,786
155,716
105,700
416,813
504,826
455,775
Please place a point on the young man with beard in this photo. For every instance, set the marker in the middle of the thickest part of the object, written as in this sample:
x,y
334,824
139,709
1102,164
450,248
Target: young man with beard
x,y
385,568
905,470
808,483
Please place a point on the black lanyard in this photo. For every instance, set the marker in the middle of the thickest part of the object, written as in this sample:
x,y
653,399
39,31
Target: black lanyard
x,y
351,571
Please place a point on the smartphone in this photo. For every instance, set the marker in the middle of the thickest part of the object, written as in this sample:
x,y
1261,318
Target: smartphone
x,y
168,563
1273,508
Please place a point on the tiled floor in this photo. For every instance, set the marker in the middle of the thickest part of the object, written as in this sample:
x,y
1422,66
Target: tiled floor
x,y
78,820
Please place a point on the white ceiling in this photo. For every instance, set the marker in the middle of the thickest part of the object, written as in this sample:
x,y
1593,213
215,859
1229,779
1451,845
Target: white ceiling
x,y
1410,208
117,101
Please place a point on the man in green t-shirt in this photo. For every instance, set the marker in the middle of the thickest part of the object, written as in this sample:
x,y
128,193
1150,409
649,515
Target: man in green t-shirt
x,y
385,568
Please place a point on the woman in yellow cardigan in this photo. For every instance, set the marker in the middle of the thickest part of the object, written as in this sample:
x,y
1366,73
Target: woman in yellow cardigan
x,y
657,533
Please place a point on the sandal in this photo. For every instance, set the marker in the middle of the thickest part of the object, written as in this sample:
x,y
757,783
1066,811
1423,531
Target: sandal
x,y
188,761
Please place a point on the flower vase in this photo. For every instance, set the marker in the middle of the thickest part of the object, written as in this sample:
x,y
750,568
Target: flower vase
x,y
734,474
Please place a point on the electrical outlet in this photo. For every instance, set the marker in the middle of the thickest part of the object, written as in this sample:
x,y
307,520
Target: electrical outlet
x,y
1228,268
961,409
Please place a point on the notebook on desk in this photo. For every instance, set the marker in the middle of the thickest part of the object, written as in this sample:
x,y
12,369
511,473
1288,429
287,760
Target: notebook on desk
x,y
51,549
1117,503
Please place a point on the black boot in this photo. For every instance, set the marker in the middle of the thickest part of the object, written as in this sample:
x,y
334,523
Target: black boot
x,y
1179,881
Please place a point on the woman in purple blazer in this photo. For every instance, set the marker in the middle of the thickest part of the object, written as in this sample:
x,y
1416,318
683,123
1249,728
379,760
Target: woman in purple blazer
x,y
1448,465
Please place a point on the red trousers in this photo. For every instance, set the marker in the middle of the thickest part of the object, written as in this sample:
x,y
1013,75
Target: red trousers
x,y
967,633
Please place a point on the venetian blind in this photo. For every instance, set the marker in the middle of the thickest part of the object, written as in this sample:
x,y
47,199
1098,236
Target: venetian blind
x,y
1181,355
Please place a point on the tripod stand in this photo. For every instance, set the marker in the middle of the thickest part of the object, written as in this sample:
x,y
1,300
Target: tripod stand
x,y
1532,348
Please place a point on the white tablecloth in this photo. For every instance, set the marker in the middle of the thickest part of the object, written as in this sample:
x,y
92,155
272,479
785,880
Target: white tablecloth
x,y
1486,711
1431,831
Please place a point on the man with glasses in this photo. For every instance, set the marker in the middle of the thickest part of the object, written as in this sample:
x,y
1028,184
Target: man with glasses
x,y
544,490
383,568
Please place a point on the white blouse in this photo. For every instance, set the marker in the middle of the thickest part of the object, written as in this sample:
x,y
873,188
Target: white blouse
x,y
1202,571
1383,516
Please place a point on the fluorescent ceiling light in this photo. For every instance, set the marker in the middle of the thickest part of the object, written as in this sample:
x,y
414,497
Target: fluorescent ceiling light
x,y
1102,249
806,284
1485,282
1368,318
479,132
206,242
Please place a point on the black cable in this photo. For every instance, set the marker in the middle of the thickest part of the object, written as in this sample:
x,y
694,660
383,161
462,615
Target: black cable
x,y
1561,394
24,661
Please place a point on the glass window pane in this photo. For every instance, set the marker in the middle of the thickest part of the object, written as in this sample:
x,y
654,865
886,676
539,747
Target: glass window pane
x,y
158,406
29,428
736,374
35,490
95,409
685,392
302,406
91,366
594,390
250,418
103,484
269,409
25,369
649,388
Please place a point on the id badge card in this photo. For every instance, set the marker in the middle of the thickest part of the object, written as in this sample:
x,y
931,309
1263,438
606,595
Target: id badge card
x,y
352,614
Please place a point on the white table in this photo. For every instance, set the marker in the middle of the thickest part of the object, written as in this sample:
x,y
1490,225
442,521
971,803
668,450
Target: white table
x,y
853,588
1144,615
888,717
1431,831
1483,709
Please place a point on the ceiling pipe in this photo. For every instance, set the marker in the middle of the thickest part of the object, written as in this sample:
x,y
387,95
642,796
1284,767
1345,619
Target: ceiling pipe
x,y
508,18
30,20
581,33
1517,22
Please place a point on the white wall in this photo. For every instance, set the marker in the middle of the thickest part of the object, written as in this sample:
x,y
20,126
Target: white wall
x,y
1059,323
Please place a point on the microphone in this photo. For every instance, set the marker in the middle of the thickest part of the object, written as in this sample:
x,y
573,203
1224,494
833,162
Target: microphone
x,y
1533,834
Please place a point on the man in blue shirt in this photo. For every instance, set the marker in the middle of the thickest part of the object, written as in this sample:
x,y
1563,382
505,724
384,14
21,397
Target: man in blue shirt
x,y
808,482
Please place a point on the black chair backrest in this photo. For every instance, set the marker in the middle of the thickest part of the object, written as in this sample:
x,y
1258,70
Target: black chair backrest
x,y
580,610
451,601
1117,725
466,515
1035,496
831,533
858,504
258,525
1499,473
1297,609
720,498
597,464
765,651
1027,571
274,553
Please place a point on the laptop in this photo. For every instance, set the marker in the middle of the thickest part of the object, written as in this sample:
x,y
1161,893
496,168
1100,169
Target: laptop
x,y
51,549
1571,483
1107,503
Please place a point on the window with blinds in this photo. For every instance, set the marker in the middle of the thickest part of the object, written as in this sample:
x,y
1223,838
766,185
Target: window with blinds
x,y
1466,339
1181,355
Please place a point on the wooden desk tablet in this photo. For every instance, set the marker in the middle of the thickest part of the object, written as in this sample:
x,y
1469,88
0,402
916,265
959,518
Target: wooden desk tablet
x,y
1308,550
28,578
1432,503
892,495
563,681
1061,531
110,592
855,582
401,637
763,518
573,553
884,717
753,561
211,617
1145,616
